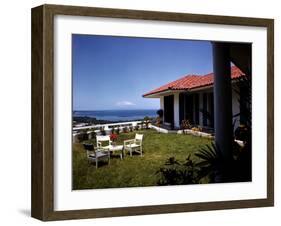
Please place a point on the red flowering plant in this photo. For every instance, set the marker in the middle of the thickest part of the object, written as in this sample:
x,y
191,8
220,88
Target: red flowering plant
x,y
113,137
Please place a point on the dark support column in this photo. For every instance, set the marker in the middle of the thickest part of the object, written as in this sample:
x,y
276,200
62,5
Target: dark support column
x,y
222,98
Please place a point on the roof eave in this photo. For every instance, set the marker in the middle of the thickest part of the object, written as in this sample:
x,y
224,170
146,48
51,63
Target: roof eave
x,y
164,93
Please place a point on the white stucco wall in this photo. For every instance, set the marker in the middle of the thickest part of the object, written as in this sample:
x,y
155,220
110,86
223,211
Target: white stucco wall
x,y
162,103
176,110
235,108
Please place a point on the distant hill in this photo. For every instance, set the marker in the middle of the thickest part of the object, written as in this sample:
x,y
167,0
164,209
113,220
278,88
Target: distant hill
x,y
90,120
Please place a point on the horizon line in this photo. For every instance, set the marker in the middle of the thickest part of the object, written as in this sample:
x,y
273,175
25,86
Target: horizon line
x,y
119,109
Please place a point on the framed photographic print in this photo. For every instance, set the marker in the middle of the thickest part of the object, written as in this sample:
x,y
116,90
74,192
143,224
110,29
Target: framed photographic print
x,y
141,112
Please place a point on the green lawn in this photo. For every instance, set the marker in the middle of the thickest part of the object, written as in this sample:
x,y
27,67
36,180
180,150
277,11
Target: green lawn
x,y
133,171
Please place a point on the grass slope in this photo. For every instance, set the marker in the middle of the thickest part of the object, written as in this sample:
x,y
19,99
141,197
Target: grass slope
x,y
133,171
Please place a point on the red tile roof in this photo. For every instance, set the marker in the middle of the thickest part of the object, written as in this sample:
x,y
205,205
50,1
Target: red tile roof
x,y
190,82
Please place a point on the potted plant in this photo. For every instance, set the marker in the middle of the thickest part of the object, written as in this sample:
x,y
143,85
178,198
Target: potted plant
x,y
241,132
146,122
125,129
82,136
185,125
91,134
112,130
118,130
102,130
137,127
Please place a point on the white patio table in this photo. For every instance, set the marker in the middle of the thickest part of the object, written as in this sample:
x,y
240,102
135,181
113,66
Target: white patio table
x,y
116,148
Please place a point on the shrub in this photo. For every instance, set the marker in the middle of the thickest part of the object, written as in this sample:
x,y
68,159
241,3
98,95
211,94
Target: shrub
x,y
160,113
82,136
113,137
176,173
102,130
158,121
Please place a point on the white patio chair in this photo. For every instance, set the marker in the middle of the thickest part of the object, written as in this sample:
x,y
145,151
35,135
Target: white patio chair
x,y
134,144
104,142
94,155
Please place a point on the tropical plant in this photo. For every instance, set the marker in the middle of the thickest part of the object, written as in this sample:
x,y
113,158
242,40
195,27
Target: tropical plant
x,y
238,167
218,168
244,92
176,173
243,89
213,165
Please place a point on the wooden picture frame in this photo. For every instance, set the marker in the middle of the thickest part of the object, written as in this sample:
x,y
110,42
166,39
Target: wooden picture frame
x,y
43,109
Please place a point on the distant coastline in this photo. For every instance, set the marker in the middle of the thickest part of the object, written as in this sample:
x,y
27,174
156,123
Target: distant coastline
x,y
110,116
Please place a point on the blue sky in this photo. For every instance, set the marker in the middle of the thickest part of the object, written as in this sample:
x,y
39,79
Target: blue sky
x,y
113,72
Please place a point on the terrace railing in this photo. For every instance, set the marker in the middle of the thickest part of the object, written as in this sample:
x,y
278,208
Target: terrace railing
x,y
107,128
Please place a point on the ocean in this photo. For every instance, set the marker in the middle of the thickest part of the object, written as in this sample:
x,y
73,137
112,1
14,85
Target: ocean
x,y
116,115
